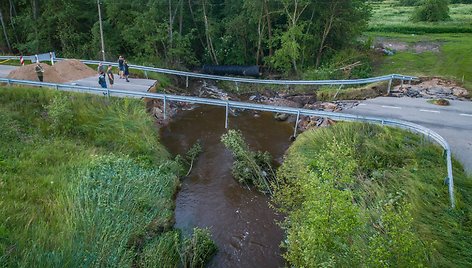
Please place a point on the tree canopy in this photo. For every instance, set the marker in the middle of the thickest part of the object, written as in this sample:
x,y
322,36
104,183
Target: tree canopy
x,y
286,35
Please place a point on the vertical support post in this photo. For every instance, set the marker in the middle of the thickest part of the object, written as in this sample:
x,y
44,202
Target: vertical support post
x,y
401,86
8,82
227,112
101,30
108,92
409,82
165,107
296,124
186,82
145,74
389,86
237,86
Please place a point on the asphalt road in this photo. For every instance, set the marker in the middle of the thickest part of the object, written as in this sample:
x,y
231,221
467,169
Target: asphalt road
x,y
453,122
140,85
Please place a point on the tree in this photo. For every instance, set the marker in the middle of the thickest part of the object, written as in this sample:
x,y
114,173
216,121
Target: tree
x,y
432,10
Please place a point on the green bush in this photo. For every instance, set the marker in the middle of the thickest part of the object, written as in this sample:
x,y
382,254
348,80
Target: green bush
x,y
432,10
366,196
250,168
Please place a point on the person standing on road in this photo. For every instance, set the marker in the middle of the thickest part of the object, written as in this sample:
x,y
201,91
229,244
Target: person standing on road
x,y
102,80
121,66
111,77
126,70
101,68
39,71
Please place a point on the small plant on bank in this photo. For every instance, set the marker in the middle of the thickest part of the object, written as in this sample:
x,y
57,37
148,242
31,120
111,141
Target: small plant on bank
x,y
440,102
250,168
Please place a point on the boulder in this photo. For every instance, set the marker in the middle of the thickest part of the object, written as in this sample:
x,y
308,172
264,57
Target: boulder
x,y
460,92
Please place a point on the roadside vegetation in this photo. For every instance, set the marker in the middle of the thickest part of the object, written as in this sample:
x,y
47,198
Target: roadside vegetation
x,y
85,181
452,39
362,195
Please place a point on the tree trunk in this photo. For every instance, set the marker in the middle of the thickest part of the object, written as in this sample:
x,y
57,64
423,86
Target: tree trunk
x,y
326,31
269,27
13,14
5,32
181,16
35,4
194,21
171,34
208,36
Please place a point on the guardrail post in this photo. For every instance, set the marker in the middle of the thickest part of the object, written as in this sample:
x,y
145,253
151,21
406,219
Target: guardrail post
x,y
450,178
108,92
401,86
8,82
296,124
237,86
227,112
57,87
186,82
165,108
145,74
389,85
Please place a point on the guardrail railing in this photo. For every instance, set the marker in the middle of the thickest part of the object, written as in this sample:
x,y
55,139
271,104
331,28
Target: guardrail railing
x,y
238,80
430,134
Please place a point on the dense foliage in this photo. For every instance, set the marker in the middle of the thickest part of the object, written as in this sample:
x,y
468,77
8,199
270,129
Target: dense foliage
x,y
365,196
249,168
432,10
286,35
85,182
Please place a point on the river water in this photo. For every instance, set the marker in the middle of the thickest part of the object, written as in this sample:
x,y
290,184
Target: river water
x,y
240,220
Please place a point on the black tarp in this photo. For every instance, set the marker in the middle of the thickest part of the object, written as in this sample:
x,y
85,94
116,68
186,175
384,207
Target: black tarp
x,y
232,70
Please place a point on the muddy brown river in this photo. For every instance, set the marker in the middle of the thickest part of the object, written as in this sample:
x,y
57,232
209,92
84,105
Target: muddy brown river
x,y
240,220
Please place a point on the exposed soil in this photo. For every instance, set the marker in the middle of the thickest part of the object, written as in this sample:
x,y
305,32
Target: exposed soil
x,y
418,47
432,88
61,72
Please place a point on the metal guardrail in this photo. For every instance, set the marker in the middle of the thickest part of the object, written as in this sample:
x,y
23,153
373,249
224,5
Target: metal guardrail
x,y
238,80
269,108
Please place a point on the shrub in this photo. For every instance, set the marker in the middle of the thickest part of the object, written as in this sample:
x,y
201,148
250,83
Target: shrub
x,y
251,168
432,10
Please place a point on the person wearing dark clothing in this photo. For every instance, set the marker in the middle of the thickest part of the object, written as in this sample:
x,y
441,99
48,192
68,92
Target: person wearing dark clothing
x,y
102,81
126,70
101,68
39,71
121,66
111,77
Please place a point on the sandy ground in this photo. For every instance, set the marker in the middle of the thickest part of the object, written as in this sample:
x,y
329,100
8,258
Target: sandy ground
x,y
63,71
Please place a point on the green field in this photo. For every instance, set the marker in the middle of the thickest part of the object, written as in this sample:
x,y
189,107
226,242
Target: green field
x,y
452,59
388,16
84,181
367,196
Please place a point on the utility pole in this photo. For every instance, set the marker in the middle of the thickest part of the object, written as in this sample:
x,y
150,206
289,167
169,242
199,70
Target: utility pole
x,y
101,30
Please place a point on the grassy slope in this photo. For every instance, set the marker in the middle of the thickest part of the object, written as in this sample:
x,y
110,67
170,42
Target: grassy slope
x,y
391,22
391,210
81,179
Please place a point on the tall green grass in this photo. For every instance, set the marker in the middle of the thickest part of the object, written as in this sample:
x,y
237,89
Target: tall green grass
x,y
452,60
83,181
363,195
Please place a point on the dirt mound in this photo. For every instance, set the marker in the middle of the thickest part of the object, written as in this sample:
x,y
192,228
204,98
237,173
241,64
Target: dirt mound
x,y
27,72
63,71
71,70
